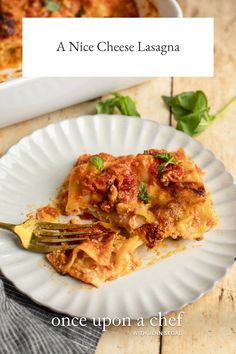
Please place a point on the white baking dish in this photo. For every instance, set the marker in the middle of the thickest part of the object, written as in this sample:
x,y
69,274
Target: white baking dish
x,y
25,98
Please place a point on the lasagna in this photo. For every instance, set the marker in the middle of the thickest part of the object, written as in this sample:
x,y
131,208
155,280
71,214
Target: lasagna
x,y
138,199
12,12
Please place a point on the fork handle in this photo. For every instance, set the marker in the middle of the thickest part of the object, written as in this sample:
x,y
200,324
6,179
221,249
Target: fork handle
x,y
6,226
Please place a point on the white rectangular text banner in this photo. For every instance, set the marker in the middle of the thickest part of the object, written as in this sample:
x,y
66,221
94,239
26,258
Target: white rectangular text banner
x,y
113,47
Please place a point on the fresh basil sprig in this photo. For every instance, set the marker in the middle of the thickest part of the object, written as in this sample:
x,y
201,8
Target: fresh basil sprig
x,y
98,162
124,104
143,193
169,160
191,111
52,6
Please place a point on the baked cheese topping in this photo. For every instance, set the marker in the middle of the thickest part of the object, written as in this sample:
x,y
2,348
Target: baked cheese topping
x,y
148,197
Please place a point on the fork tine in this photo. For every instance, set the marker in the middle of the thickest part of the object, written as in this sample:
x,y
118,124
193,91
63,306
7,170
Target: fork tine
x,y
56,226
57,233
58,240
46,249
39,233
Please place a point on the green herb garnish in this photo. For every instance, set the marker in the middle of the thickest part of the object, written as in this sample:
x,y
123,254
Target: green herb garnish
x,y
169,160
52,6
97,161
143,193
191,111
124,104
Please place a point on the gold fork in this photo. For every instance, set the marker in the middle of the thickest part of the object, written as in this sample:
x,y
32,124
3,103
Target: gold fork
x,y
46,237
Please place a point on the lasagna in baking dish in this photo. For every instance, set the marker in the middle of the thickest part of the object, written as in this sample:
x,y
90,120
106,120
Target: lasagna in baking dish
x,y
144,198
12,12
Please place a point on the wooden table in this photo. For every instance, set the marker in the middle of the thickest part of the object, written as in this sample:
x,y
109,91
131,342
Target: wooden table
x,y
209,325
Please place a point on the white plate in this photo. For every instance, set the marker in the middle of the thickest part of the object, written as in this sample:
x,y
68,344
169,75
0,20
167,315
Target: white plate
x,y
32,170
36,96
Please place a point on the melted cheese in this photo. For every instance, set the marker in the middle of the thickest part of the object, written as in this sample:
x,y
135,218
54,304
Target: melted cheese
x,y
178,206
95,264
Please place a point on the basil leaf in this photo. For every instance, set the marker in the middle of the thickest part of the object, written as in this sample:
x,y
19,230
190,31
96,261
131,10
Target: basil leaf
x,y
143,193
124,104
105,107
98,162
52,6
191,111
168,158
161,168
164,156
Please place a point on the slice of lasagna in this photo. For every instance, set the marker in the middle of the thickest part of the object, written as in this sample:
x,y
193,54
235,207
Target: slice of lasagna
x,y
148,197
97,260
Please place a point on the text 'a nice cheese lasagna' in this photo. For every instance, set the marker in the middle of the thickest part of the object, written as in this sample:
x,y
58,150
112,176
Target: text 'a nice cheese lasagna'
x,y
144,198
